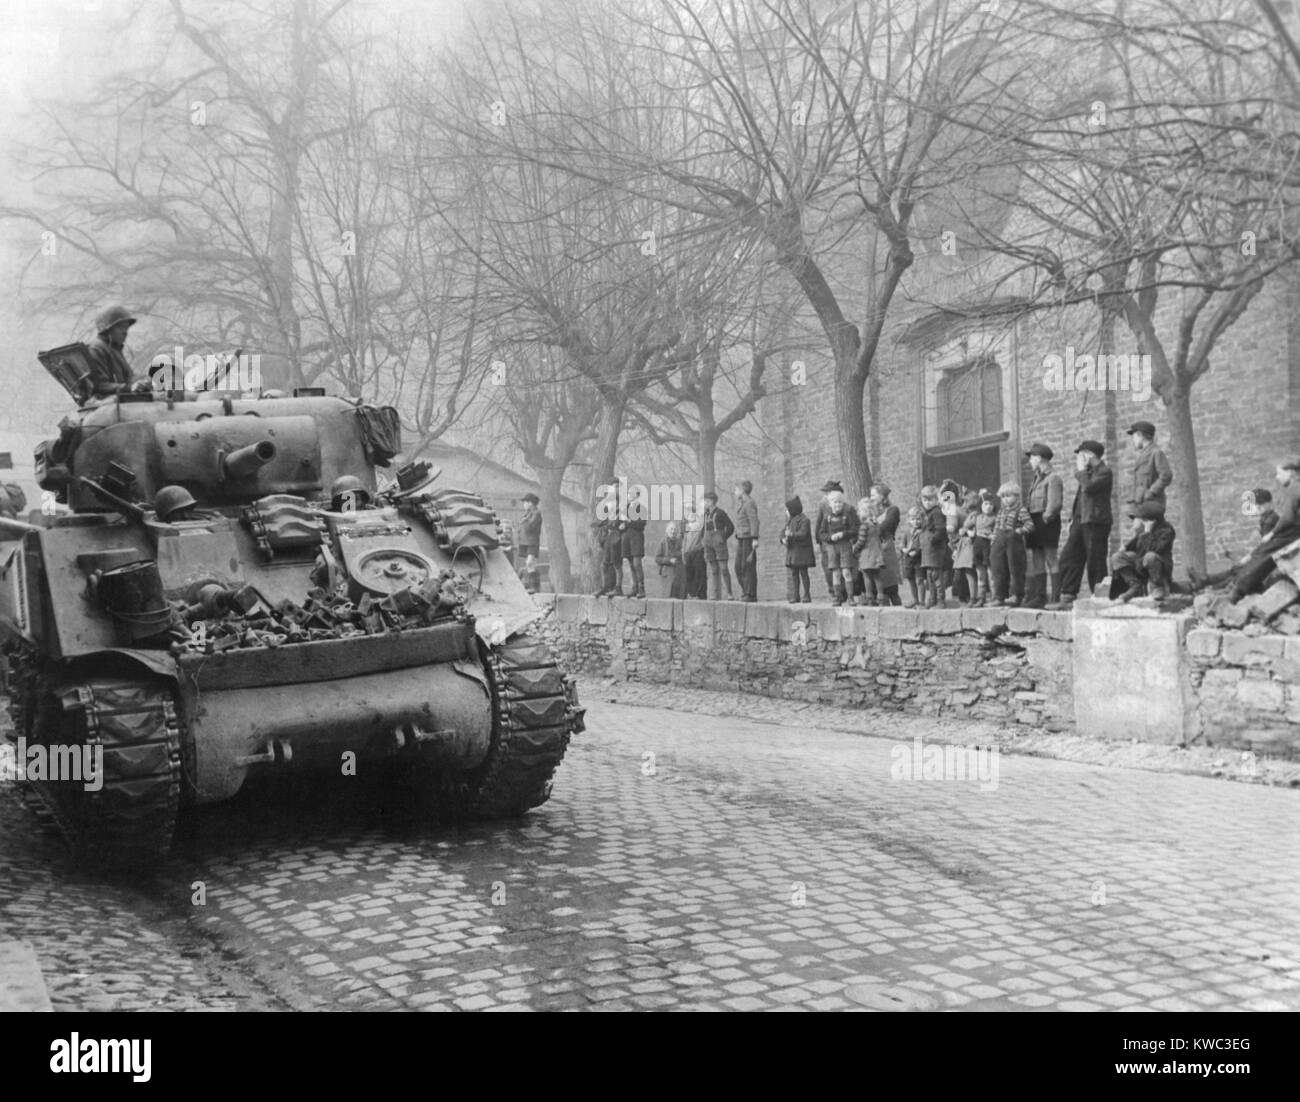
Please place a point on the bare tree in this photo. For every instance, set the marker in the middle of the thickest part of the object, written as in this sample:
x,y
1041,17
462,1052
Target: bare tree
x,y
1144,194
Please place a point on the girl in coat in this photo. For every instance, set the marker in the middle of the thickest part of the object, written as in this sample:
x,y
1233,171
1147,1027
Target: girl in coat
x,y
963,551
839,529
934,545
797,539
871,556
887,517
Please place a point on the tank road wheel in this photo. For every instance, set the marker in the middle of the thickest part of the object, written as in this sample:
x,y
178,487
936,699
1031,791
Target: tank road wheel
x,y
534,711
129,819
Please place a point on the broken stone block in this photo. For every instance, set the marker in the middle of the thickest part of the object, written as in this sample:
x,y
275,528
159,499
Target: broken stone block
x,y
1230,615
1277,597
1287,561
1287,622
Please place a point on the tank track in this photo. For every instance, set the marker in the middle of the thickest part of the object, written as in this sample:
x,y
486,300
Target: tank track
x,y
535,711
130,821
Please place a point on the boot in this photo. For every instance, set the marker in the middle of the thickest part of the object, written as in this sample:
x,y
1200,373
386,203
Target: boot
x,y
1036,591
1065,604
840,594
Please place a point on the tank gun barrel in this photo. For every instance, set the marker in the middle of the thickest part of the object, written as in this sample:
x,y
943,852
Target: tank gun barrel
x,y
247,461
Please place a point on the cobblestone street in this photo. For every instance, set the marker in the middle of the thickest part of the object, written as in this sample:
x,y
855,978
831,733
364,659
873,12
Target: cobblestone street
x,y
698,862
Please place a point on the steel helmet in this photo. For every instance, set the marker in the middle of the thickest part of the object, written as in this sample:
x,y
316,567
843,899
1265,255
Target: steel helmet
x,y
348,484
170,500
106,319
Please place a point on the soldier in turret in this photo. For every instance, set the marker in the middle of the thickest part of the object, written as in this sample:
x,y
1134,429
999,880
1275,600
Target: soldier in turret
x,y
110,372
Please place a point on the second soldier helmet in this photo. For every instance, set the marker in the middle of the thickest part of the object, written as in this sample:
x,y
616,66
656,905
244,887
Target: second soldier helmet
x,y
349,484
170,500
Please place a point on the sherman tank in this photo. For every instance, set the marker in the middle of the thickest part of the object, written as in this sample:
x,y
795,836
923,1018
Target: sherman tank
x,y
235,591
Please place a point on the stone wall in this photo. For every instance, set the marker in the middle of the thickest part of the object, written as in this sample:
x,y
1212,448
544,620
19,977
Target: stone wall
x,y
1004,665
1105,671
1247,689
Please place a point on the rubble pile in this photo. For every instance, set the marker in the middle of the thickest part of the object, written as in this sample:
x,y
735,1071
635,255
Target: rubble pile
x,y
1274,611
222,620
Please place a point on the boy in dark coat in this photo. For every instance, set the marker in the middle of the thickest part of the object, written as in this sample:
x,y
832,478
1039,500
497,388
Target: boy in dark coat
x,y
934,545
797,539
910,560
1090,523
632,543
1146,562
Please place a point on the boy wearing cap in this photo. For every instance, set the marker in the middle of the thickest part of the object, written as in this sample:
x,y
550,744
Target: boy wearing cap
x,y
1090,523
1286,529
1046,497
530,527
1149,473
1146,562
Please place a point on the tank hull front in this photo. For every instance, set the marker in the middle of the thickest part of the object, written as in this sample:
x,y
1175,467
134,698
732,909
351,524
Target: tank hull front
x,y
442,714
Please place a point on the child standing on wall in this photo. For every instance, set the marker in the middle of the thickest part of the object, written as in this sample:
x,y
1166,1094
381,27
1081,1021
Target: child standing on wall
x,y
934,545
1007,555
963,551
871,556
985,522
839,529
797,539
910,556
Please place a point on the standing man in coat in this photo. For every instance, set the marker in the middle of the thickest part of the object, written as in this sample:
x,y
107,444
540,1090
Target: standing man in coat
x,y
530,527
717,530
1090,523
1045,501
1149,473
746,541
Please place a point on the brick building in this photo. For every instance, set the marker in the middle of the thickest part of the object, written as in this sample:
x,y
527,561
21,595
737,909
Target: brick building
x,y
962,396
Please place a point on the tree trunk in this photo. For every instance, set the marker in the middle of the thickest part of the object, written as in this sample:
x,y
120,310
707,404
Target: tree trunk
x,y
851,430
549,480
706,456
1186,486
